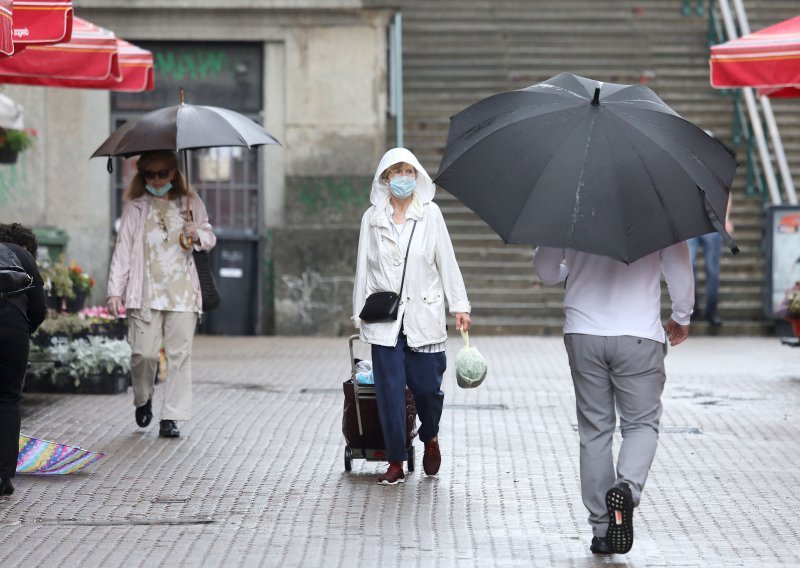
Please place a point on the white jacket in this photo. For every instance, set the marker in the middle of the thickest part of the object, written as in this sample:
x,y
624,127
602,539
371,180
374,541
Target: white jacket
x,y
431,274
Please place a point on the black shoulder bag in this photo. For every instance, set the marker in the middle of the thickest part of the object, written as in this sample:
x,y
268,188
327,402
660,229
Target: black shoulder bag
x,y
202,263
383,306
13,278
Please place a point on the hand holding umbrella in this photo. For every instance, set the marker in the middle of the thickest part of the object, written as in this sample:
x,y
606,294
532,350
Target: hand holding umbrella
x,y
184,127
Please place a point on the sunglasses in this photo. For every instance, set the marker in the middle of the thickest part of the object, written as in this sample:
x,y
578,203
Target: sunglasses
x,y
161,174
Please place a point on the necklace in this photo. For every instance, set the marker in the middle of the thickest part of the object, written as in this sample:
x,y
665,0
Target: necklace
x,y
161,212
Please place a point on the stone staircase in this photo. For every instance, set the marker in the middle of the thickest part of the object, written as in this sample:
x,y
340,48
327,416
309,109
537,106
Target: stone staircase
x,y
456,53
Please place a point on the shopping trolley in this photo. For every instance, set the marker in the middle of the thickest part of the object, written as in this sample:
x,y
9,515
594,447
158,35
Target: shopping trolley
x,y
361,424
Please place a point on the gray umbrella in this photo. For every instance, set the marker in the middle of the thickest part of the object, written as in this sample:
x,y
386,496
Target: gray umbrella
x,y
602,168
184,127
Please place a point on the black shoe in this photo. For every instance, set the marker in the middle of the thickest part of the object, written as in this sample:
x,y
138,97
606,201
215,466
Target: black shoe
x,y
168,429
144,413
619,503
6,487
714,320
600,545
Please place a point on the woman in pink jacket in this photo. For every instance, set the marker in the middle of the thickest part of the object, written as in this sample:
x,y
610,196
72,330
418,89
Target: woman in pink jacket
x,y
154,277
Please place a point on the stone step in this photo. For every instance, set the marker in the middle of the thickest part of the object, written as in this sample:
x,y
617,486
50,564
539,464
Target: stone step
x,y
525,283
467,251
531,290
553,326
741,310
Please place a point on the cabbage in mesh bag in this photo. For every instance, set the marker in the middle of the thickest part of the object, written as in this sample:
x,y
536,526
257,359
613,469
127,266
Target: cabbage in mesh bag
x,y
470,365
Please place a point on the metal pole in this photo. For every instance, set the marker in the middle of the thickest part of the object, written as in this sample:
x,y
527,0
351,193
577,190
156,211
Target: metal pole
x,y
398,65
769,117
780,155
755,119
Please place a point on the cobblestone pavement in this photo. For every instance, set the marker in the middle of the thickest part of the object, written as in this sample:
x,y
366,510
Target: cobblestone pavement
x,y
257,478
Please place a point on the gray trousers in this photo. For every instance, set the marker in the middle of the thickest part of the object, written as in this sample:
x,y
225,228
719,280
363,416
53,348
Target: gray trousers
x,y
627,373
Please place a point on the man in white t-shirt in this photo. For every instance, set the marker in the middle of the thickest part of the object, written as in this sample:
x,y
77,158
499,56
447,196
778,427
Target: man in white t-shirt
x,y
616,345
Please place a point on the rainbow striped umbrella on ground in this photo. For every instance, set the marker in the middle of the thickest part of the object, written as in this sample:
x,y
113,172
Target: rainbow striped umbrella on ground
x,y
43,457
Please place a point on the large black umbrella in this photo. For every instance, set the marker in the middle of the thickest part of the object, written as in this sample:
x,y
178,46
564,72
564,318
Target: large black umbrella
x,y
602,168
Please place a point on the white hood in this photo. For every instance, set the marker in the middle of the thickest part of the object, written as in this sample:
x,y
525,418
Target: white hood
x,y
380,191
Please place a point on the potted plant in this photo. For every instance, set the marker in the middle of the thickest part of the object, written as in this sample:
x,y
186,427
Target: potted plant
x,y
57,284
61,328
82,285
793,308
94,365
103,323
13,142
67,286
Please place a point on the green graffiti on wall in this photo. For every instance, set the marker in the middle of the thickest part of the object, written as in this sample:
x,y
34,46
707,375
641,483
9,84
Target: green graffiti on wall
x,y
197,65
316,194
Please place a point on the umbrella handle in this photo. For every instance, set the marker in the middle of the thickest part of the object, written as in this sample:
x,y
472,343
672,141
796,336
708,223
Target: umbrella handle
x,y
186,242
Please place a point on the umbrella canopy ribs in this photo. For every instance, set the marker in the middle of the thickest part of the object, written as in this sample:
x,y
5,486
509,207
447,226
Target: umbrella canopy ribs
x,y
604,168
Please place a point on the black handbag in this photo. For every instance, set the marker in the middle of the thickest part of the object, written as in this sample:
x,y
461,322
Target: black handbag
x,y
209,293
208,285
383,306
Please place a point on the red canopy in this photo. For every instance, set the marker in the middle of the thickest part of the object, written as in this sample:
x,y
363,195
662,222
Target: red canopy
x,y
768,59
42,21
6,39
137,68
94,58
91,53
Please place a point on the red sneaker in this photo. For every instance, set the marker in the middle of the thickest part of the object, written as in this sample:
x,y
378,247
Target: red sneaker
x,y
393,475
432,458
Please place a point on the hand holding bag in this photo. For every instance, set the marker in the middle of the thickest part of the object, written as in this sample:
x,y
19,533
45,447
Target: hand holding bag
x,y
383,306
470,365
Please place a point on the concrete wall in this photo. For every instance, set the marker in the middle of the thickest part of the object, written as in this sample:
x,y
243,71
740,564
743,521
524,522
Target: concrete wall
x,y
325,99
54,183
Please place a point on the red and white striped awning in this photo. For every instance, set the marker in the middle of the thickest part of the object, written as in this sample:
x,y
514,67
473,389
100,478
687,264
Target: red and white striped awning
x,y
94,58
6,37
768,60
136,65
42,21
91,53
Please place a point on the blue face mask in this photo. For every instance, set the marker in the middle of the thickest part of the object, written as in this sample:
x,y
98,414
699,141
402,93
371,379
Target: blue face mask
x,y
159,192
402,186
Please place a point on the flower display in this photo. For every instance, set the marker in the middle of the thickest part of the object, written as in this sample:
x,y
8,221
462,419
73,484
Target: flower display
x,y
73,361
92,355
793,301
80,280
98,314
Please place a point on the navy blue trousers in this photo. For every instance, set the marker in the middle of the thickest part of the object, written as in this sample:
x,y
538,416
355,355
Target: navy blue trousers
x,y
394,368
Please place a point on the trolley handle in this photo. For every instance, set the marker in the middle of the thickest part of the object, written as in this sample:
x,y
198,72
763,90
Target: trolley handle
x,y
353,339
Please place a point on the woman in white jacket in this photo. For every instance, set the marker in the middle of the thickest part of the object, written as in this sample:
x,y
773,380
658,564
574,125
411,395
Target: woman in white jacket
x,y
410,350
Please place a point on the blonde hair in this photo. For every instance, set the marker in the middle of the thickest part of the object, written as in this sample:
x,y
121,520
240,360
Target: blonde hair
x,y
395,168
179,185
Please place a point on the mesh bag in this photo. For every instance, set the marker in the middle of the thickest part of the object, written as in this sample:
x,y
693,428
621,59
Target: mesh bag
x,y
470,365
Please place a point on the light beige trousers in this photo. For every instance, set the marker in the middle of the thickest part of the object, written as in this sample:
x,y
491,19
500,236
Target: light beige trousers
x,y
176,330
